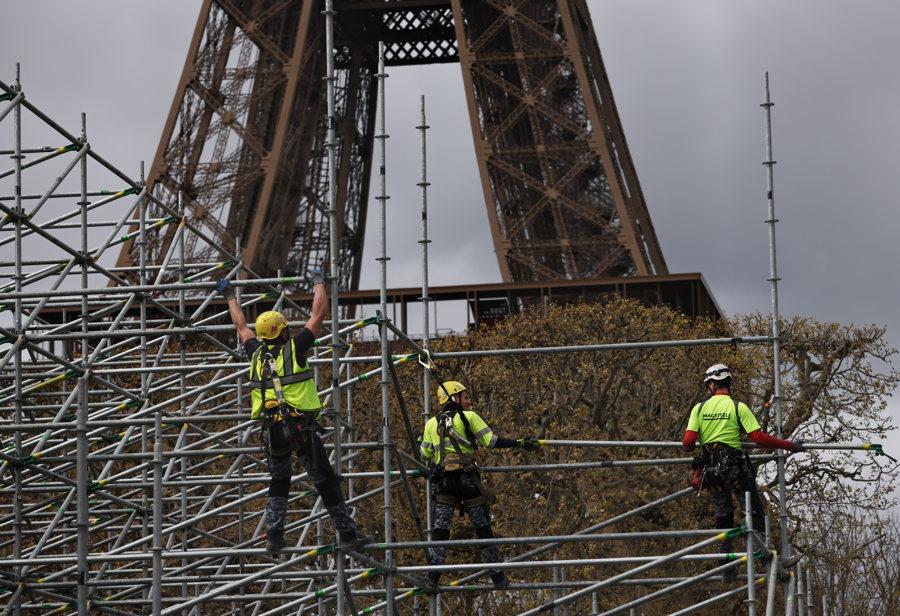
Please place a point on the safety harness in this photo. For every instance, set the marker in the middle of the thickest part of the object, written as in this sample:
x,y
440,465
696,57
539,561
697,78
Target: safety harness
x,y
291,375
458,460
293,422
454,464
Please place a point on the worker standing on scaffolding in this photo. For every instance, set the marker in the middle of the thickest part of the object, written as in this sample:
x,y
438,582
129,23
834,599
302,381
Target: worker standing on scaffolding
x,y
722,466
448,445
283,394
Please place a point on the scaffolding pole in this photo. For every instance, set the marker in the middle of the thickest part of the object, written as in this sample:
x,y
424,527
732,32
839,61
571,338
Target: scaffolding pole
x,y
769,163
384,381
110,411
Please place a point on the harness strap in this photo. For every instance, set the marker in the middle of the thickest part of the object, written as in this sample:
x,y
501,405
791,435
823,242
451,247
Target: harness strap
x,y
444,422
297,377
273,374
468,429
475,501
291,374
447,499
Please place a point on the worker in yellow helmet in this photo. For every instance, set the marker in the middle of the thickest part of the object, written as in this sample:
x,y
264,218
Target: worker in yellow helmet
x,y
283,395
448,445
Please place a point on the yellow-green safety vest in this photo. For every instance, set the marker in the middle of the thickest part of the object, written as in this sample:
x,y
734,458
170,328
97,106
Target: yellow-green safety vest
x,y
432,447
298,388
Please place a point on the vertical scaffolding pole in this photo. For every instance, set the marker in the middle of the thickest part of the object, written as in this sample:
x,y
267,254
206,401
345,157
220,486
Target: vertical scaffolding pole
x,y
791,595
182,386
776,329
426,334
142,280
801,590
158,494
239,403
809,593
751,580
383,330
81,446
17,317
771,584
331,147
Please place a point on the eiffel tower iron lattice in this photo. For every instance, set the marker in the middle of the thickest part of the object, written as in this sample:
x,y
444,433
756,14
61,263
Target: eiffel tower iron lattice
x,y
245,140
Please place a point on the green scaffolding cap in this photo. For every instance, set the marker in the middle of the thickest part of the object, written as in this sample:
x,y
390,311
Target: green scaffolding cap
x,y
735,532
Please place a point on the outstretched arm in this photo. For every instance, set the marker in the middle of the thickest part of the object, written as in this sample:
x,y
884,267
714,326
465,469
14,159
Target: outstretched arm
x,y
767,440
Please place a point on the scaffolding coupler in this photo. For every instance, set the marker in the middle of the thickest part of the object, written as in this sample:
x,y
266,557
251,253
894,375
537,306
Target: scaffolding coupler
x,y
878,450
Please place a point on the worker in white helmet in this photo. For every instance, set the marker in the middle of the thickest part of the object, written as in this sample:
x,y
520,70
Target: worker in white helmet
x,y
723,467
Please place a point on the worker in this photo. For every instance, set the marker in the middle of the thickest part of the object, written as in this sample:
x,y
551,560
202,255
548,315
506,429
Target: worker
x,y
283,395
448,446
722,466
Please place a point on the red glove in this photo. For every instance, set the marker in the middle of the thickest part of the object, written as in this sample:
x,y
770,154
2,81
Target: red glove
x,y
696,480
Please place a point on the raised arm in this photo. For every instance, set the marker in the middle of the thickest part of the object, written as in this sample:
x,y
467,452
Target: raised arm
x,y
319,304
235,311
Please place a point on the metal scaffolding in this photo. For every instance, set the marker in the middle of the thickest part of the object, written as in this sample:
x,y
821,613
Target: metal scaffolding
x,y
131,483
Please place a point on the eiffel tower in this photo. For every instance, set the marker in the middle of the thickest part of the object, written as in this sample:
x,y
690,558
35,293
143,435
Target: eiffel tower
x,y
244,142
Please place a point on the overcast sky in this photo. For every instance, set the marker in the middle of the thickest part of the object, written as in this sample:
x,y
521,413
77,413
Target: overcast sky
x,y
687,78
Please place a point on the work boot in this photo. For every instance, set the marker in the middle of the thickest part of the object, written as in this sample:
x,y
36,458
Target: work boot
x,y
354,541
275,541
500,581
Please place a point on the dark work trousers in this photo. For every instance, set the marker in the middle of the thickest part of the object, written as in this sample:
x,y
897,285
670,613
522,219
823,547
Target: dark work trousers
x,y
729,476
303,440
462,486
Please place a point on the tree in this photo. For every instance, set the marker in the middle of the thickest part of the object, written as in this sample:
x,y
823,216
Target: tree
x,y
836,382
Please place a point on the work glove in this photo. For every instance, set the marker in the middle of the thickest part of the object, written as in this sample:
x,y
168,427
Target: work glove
x,y
528,444
797,444
697,479
315,276
224,287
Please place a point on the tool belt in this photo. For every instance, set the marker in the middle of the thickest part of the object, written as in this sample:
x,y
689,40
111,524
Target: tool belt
x,y
455,462
287,429
720,465
487,497
464,489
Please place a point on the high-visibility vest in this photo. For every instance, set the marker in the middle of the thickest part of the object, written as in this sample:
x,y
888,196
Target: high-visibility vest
x,y
452,445
298,388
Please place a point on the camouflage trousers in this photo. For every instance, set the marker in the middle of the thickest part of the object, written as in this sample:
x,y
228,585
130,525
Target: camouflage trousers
x,y
464,486
314,459
276,515
733,476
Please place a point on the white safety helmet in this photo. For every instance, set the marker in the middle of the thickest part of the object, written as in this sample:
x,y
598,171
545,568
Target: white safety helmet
x,y
716,372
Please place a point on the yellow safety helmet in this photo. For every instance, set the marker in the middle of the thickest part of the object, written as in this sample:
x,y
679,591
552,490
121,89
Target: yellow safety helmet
x,y
447,389
269,325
